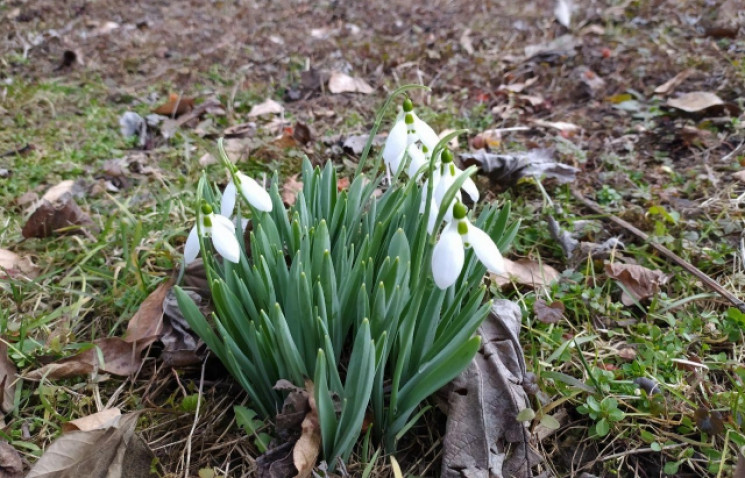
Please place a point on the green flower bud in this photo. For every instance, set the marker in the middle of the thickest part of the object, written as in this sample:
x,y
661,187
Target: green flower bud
x,y
459,211
446,156
463,228
409,118
408,105
206,208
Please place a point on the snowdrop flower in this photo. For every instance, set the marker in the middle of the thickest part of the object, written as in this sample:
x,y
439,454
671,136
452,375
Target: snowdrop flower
x,y
448,255
407,130
443,177
249,189
222,232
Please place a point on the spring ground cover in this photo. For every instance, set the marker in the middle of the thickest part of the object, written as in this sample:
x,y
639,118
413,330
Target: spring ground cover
x,y
639,368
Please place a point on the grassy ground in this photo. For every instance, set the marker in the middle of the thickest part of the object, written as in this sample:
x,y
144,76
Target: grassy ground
x,y
670,174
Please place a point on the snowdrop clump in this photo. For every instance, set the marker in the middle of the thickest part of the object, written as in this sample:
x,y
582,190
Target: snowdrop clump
x,y
349,280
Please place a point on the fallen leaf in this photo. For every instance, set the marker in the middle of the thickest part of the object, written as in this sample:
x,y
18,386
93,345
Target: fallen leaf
x,y
119,358
637,280
342,83
268,107
181,346
11,464
740,176
548,313
669,86
131,124
526,272
627,353
176,105
61,190
301,132
26,199
465,41
7,380
518,87
562,126
290,189
306,449
553,51
342,184
236,148
241,130
207,159
490,138
12,266
112,451
146,326
507,169
102,419
740,468
60,218
701,101
483,436
709,421
563,12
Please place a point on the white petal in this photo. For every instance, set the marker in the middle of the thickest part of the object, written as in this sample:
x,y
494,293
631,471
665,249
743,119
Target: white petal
x,y
426,134
470,188
442,186
227,203
447,257
191,248
223,238
254,193
395,144
417,160
432,217
485,249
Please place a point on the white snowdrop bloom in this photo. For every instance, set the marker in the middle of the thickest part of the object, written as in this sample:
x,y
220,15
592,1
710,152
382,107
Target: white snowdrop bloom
x,y
449,254
252,192
408,129
448,173
222,232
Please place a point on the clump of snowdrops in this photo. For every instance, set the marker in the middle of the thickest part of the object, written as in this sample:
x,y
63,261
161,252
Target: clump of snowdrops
x,y
374,297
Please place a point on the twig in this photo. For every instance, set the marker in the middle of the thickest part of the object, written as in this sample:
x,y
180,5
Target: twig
x,y
196,419
708,281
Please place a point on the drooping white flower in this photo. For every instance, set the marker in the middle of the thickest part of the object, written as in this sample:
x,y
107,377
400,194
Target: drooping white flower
x,y
448,255
407,130
253,192
222,232
444,176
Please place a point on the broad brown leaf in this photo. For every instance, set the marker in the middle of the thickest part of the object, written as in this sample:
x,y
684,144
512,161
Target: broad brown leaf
x,y
120,358
64,217
548,313
146,326
175,106
640,282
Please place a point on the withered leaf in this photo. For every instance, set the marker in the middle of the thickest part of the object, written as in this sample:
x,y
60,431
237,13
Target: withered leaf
x,y
639,281
146,326
301,132
709,421
701,101
60,218
175,106
483,436
119,358
343,83
14,266
306,450
102,419
507,169
669,86
548,313
290,190
526,272
112,451
11,465
7,379
267,107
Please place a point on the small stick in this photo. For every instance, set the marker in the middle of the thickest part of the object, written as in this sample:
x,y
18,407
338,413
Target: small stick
x,y
708,281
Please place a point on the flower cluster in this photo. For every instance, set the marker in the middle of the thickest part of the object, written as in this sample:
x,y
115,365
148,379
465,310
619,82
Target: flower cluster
x,y
414,139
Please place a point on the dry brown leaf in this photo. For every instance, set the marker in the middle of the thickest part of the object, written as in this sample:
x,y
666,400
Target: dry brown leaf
x,y
740,176
267,107
740,468
236,148
563,126
60,218
119,357
175,106
241,130
342,83
548,313
11,464
342,184
669,86
290,189
58,191
637,280
207,159
12,265
114,451
7,380
702,101
526,272
102,419
306,449
301,132
146,326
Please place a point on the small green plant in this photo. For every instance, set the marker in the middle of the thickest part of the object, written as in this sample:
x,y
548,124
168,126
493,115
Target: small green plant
x,y
605,413
338,287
